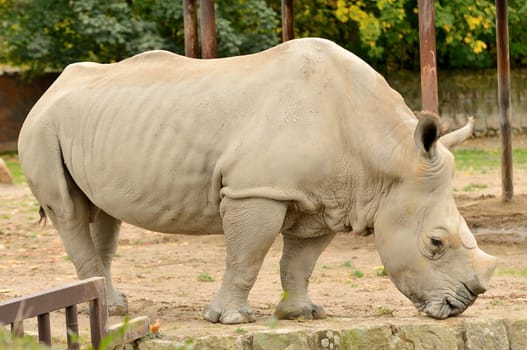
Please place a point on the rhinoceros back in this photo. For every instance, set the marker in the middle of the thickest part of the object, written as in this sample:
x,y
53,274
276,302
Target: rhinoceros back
x,y
153,139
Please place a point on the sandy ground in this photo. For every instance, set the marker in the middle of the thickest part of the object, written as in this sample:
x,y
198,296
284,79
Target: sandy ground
x,y
171,277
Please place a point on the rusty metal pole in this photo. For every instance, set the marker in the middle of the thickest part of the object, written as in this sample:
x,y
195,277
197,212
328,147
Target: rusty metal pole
x,y
427,53
504,93
190,23
288,24
208,29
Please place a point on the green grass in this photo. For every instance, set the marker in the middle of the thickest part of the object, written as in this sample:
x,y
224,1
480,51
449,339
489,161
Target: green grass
x,y
357,274
496,302
380,271
512,272
466,159
240,330
346,263
473,186
480,160
205,277
11,160
385,311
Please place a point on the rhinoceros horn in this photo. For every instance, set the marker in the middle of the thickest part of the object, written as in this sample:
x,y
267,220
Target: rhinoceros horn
x,y
456,137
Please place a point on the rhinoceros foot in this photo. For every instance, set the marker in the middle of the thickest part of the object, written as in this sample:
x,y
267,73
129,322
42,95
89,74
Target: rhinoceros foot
x,y
118,306
288,310
215,314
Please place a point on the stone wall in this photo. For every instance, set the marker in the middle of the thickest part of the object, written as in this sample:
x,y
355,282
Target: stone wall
x,y
471,334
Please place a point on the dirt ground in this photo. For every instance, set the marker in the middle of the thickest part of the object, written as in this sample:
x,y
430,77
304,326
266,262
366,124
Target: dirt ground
x,y
171,277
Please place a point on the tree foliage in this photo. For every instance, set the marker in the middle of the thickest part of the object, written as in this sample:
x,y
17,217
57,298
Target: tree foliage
x,y
386,34
48,34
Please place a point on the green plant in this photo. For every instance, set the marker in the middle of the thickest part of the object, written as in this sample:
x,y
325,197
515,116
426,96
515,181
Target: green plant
x,y
384,311
351,283
357,274
380,271
205,277
346,263
473,186
16,343
240,330
496,302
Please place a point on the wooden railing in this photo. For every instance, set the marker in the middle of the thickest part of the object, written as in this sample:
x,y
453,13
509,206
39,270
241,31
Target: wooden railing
x,y
92,290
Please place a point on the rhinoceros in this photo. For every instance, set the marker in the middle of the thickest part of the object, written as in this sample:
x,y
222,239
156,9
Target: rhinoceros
x,y
303,139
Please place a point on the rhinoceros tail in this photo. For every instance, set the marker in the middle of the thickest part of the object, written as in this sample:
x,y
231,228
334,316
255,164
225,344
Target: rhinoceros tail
x,y
43,217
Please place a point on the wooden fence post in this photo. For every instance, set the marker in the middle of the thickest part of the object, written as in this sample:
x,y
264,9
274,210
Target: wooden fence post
x,y
502,46
427,53
208,29
190,24
288,25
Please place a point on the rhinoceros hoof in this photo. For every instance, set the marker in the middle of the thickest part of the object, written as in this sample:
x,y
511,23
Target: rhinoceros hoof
x,y
306,312
217,314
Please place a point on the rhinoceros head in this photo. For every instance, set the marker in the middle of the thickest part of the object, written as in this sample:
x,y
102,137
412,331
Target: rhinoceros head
x,y
424,242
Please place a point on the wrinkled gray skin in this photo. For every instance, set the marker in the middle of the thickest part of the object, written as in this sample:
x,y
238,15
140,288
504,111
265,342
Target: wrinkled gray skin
x,y
303,139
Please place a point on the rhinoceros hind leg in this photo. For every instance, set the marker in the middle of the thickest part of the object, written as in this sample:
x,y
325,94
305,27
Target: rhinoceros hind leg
x,y
298,261
105,235
250,227
69,210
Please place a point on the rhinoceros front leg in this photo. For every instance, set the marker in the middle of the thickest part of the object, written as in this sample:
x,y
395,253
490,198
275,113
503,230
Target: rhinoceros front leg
x,y
298,261
105,235
250,227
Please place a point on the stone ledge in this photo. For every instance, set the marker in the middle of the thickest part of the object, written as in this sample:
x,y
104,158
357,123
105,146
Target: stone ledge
x,y
465,334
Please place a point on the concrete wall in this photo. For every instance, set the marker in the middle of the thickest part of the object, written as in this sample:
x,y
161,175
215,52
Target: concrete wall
x,y
466,93
461,94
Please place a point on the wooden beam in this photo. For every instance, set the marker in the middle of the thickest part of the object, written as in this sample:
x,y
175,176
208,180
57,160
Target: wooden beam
x,y
502,46
288,25
190,23
208,29
427,53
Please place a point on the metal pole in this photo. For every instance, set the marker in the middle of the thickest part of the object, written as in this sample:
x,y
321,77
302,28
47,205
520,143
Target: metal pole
x,y
427,53
504,96
190,23
208,29
288,25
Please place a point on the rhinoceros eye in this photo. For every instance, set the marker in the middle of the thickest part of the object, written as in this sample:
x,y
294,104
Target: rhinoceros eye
x,y
436,246
433,245
436,242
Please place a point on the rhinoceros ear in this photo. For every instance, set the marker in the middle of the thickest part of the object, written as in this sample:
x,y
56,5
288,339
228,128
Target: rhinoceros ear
x,y
456,137
427,131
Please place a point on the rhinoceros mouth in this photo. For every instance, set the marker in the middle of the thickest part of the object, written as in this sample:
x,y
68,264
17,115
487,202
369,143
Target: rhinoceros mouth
x,y
450,304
